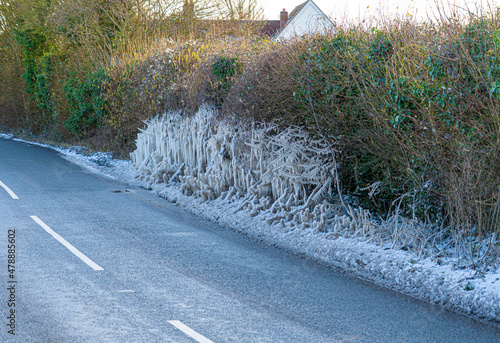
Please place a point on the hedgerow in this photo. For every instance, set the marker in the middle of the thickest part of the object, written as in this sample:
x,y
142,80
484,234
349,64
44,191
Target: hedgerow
x,y
85,102
412,106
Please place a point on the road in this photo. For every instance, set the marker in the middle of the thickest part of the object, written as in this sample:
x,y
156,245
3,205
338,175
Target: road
x,y
99,261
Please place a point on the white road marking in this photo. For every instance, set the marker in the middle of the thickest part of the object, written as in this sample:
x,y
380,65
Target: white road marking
x,y
190,332
64,242
11,193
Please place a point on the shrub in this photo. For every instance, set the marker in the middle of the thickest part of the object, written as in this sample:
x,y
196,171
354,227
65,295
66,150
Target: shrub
x,y
264,91
224,69
13,103
38,59
86,103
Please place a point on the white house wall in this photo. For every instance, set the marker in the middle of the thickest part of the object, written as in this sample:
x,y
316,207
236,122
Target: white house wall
x,y
309,20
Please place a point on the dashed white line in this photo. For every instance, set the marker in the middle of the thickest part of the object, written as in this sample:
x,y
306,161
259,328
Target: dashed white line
x,y
64,242
11,193
190,332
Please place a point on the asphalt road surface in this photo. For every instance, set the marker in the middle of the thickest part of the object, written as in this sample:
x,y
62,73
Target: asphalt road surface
x,y
88,259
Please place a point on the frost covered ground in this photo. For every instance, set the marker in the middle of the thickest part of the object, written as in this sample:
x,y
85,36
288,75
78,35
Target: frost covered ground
x,y
323,234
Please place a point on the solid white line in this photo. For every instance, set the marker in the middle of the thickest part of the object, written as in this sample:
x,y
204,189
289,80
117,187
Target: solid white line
x,y
11,193
64,242
190,332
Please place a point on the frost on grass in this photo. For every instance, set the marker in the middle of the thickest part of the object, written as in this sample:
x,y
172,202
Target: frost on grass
x,y
282,186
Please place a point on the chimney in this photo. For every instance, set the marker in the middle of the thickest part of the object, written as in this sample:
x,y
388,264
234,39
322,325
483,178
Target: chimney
x,y
283,18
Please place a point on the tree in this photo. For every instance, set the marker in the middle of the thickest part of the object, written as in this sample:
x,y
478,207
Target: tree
x,y
239,9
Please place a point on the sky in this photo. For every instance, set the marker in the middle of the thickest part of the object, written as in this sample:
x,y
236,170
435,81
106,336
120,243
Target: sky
x,y
355,10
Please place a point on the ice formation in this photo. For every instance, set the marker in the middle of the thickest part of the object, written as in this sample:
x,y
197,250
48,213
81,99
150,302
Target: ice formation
x,y
286,173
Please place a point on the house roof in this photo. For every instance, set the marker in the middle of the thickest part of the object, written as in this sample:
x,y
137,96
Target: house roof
x,y
264,28
270,27
296,10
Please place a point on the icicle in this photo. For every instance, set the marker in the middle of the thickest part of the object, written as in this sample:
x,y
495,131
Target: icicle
x,y
208,157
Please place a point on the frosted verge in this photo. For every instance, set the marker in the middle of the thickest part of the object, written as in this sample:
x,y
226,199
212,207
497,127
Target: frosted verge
x,y
279,186
343,243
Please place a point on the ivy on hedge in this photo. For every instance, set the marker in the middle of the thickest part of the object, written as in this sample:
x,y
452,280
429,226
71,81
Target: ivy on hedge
x,y
38,59
86,102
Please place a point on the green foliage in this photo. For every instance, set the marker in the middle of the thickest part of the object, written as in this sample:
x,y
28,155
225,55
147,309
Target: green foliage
x,y
327,79
224,69
86,102
400,103
381,49
38,59
469,286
